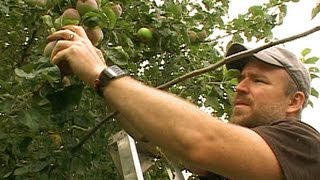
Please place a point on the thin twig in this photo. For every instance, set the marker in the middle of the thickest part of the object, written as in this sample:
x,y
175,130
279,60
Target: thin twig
x,y
92,131
80,128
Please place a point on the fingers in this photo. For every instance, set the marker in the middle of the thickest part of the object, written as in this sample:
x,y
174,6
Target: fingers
x,y
68,33
77,29
65,34
58,57
100,54
59,47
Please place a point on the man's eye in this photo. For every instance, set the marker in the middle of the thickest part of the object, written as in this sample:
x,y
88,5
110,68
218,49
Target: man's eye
x,y
259,81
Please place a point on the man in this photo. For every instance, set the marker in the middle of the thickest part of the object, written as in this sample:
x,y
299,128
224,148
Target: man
x,y
266,139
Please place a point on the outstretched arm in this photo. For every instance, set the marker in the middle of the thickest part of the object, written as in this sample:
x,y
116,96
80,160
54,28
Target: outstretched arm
x,y
170,122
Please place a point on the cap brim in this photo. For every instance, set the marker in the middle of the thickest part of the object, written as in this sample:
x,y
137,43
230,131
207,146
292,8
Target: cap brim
x,y
261,55
238,64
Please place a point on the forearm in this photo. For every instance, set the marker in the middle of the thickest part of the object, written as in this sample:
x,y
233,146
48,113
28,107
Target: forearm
x,y
164,119
127,126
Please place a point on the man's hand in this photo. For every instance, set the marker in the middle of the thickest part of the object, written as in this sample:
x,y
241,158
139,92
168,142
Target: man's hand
x,y
74,47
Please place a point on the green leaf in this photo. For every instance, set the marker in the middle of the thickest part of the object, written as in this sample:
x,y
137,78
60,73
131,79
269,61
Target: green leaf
x,y
47,19
310,103
234,81
4,9
199,16
175,9
6,105
255,9
315,10
3,136
314,76
58,23
311,60
111,16
314,92
31,168
117,55
212,101
230,94
30,119
283,13
233,73
5,85
314,70
306,51
65,98
25,143
237,38
8,174
92,19
225,71
69,22
50,74
22,74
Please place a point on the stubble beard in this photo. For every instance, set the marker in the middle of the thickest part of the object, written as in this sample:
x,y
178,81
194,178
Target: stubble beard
x,y
258,116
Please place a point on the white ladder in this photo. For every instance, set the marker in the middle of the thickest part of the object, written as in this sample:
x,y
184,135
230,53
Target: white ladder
x,y
129,162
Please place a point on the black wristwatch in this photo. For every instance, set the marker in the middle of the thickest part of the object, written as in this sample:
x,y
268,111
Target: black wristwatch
x,y
108,74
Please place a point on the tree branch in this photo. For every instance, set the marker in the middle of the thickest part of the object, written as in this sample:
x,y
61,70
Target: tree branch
x,y
234,57
212,67
27,47
75,148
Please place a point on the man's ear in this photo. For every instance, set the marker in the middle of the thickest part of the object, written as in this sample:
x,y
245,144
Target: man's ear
x,y
296,102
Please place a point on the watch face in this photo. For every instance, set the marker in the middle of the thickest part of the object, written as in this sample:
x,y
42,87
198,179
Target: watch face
x,y
106,76
113,72
110,73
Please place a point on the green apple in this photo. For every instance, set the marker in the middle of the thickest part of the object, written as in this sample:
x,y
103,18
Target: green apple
x,y
70,16
192,36
84,6
145,34
41,3
202,35
48,49
117,9
58,23
95,34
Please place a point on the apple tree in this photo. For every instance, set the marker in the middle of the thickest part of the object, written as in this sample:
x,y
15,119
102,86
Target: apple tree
x,y
45,112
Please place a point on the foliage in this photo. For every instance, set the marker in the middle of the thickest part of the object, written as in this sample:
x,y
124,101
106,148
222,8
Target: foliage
x,y
314,71
315,11
42,115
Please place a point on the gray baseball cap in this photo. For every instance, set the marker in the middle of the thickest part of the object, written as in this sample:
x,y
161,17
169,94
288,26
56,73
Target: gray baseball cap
x,y
280,57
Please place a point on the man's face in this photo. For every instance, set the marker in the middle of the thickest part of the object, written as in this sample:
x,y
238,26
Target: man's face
x,y
260,97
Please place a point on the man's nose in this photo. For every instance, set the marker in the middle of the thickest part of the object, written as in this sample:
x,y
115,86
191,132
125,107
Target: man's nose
x,y
242,87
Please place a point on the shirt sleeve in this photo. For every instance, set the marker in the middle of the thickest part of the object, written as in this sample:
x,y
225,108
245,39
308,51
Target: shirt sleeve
x,y
296,146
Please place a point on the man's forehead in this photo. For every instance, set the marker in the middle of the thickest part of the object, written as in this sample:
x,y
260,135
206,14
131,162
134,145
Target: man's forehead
x,y
258,64
259,69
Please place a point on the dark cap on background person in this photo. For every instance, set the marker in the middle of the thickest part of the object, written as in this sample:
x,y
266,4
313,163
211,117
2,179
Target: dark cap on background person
x,y
277,56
